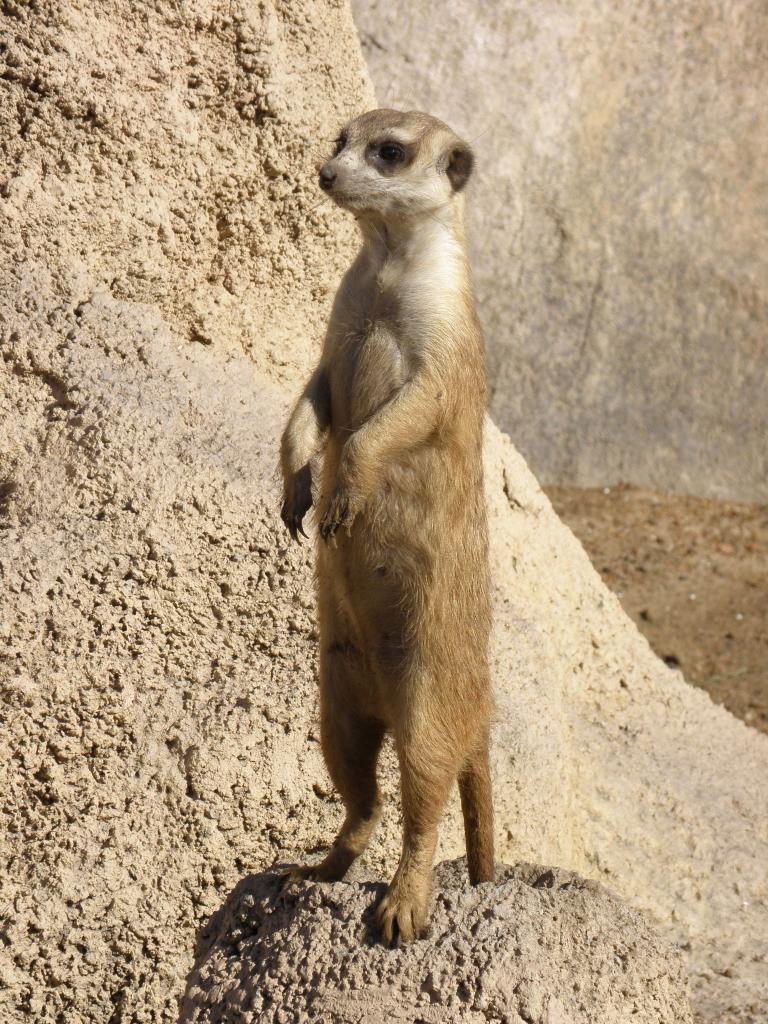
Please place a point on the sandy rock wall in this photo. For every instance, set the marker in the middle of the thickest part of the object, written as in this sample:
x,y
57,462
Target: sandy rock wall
x,y
167,152
158,222
618,220
153,627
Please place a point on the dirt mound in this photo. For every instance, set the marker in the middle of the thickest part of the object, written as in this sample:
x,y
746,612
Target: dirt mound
x,y
689,572
157,637
541,945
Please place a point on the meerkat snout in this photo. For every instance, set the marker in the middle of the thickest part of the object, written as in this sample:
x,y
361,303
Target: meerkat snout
x,y
327,178
393,162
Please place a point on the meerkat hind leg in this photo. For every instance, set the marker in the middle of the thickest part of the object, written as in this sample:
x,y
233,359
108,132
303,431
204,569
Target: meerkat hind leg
x,y
351,746
403,913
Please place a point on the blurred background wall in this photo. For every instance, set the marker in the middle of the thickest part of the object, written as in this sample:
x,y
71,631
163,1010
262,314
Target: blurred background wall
x,y
619,223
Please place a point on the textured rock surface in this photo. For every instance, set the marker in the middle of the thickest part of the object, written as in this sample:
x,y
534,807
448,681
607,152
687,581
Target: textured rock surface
x,y
541,945
619,218
157,641
166,154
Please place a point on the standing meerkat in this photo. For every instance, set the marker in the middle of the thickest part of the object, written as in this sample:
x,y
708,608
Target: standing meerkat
x,y
397,404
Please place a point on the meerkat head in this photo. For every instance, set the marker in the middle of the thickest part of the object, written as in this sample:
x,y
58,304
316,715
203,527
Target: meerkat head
x,y
394,163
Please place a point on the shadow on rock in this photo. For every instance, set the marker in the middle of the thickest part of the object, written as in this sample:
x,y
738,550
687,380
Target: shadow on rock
x,y
258,915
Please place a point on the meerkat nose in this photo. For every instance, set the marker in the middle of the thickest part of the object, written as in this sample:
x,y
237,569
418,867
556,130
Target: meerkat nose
x,y
327,178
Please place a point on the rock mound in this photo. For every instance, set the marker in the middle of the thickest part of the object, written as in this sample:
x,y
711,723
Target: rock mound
x,y
542,946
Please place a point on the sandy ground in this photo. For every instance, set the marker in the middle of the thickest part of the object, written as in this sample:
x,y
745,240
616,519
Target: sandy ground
x,y
693,574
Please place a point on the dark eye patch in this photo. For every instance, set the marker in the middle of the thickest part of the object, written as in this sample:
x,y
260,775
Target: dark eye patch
x,y
387,155
391,152
339,144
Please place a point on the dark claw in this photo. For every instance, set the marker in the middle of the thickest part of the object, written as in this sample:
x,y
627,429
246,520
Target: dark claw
x,y
293,524
286,879
334,518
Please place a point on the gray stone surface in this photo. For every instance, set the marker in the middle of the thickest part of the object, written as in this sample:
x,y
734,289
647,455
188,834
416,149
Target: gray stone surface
x,y
619,221
541,946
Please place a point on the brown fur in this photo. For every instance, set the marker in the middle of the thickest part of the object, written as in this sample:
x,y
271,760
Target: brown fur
x,y
397,404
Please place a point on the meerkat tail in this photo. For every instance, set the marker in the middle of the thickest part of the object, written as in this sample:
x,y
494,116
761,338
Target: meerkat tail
x,y
477,808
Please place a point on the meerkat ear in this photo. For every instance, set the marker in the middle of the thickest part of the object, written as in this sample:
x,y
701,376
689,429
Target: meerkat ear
x,y
461,160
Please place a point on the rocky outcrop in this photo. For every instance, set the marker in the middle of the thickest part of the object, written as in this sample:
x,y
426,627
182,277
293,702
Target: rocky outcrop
x,y
541,945
618,219
165,264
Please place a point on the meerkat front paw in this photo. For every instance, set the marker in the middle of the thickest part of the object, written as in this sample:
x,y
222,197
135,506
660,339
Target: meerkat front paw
x,y
403,913
297,502
341,511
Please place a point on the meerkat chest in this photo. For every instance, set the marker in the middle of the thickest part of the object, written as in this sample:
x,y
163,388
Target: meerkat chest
x,y
370,366
387,314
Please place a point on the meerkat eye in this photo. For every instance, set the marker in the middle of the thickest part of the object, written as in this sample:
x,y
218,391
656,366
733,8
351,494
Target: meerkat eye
x,y
339,144
391,153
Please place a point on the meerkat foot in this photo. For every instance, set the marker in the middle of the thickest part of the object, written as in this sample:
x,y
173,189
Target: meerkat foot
x,y
293,524
403,913
310,873
331,869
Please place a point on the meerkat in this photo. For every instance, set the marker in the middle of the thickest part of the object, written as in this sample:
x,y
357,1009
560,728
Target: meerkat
x,y
396,406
